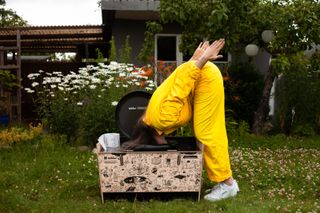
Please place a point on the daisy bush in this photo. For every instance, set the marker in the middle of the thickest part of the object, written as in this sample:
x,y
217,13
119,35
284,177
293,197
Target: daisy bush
x,y
82,104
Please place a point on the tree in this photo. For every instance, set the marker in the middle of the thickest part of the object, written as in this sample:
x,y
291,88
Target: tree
x,y
295,23
204,19
297,26
9,18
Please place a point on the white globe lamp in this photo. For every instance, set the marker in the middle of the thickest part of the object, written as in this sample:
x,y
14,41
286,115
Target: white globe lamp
x,y
251,49
267,36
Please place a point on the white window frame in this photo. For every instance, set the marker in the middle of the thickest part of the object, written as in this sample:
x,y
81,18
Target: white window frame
x,y
224,61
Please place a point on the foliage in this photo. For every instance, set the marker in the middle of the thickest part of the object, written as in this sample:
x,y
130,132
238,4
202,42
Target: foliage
x,y
100,56
59,113
211,20
8,81
9,18
123,55
243,88
296,27
113,50
295,23
298,94
82,105
280,64
19,134
125,52
275,174
148,47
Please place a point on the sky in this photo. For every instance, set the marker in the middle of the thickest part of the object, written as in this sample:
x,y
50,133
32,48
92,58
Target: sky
x,y
57,12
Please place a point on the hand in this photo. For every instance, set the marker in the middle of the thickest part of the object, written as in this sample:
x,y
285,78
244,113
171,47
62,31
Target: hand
x,y
209,52
212,51
200,50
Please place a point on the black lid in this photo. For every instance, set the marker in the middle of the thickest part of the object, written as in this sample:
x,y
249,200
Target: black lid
x,y
129,110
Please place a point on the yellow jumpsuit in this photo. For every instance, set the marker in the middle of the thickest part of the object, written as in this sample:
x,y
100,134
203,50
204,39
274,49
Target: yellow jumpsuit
x,y
199,94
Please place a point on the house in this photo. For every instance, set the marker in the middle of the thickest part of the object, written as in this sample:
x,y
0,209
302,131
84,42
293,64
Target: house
x,y
129,17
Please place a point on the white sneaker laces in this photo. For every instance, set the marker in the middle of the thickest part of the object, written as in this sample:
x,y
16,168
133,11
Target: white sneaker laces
x,y
221,191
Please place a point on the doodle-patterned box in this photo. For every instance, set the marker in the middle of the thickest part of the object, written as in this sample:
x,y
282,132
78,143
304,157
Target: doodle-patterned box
x,y
149,171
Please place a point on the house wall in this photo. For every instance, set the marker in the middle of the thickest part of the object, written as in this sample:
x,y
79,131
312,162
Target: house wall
x,y
135,29
262,61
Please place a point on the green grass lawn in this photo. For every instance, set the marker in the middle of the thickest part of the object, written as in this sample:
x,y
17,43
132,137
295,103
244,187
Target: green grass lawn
x,y
275,174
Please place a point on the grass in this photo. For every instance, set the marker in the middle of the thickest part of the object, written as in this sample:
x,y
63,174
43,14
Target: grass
x,y
275,174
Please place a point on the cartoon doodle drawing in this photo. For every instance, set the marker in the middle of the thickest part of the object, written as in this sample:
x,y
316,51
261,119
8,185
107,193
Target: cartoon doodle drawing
x,y
150,172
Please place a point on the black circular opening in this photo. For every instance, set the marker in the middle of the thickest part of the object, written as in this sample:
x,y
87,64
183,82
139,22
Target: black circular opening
x,y
129,109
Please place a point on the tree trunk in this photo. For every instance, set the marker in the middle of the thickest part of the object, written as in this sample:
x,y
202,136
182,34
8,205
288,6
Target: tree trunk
x,y
261,113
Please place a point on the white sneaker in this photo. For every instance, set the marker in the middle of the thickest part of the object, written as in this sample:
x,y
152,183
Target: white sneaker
x,y
222,191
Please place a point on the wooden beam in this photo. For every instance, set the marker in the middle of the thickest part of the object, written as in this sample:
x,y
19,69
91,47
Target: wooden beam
x,y
19,106
7,48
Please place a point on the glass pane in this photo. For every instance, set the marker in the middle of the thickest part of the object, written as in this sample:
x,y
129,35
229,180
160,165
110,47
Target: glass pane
x,y
224,58
166,48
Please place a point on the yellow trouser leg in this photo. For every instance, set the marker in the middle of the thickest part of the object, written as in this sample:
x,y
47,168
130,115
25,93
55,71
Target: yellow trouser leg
x,y
169,106
209,122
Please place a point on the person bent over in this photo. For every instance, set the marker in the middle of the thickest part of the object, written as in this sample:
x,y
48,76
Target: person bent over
x,y
193,91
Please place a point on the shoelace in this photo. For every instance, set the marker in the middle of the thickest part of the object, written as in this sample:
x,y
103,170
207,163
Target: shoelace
x,y
214,188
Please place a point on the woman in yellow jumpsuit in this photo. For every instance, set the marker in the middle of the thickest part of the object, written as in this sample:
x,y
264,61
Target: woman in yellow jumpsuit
x,y
195,91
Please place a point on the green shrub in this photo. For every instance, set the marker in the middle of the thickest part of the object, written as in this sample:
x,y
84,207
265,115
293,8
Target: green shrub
x,y
125,51
297,94
243,89
8,81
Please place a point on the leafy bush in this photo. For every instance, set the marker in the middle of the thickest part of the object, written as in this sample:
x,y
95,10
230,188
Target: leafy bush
x,y
8,81
82,105
298,92
243,89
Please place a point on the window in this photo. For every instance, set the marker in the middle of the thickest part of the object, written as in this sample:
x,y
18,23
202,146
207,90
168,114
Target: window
x,y
167,55
166,48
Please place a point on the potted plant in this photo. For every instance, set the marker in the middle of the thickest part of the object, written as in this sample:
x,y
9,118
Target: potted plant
x,y
8,83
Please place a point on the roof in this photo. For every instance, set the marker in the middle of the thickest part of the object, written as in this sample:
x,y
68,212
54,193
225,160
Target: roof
x,y
132,5
52,38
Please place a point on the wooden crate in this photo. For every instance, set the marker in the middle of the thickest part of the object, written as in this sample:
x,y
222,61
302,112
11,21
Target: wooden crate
x,y
150,171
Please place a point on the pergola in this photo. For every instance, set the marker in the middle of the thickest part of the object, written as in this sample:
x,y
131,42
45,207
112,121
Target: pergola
x,y
44,39
50,39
